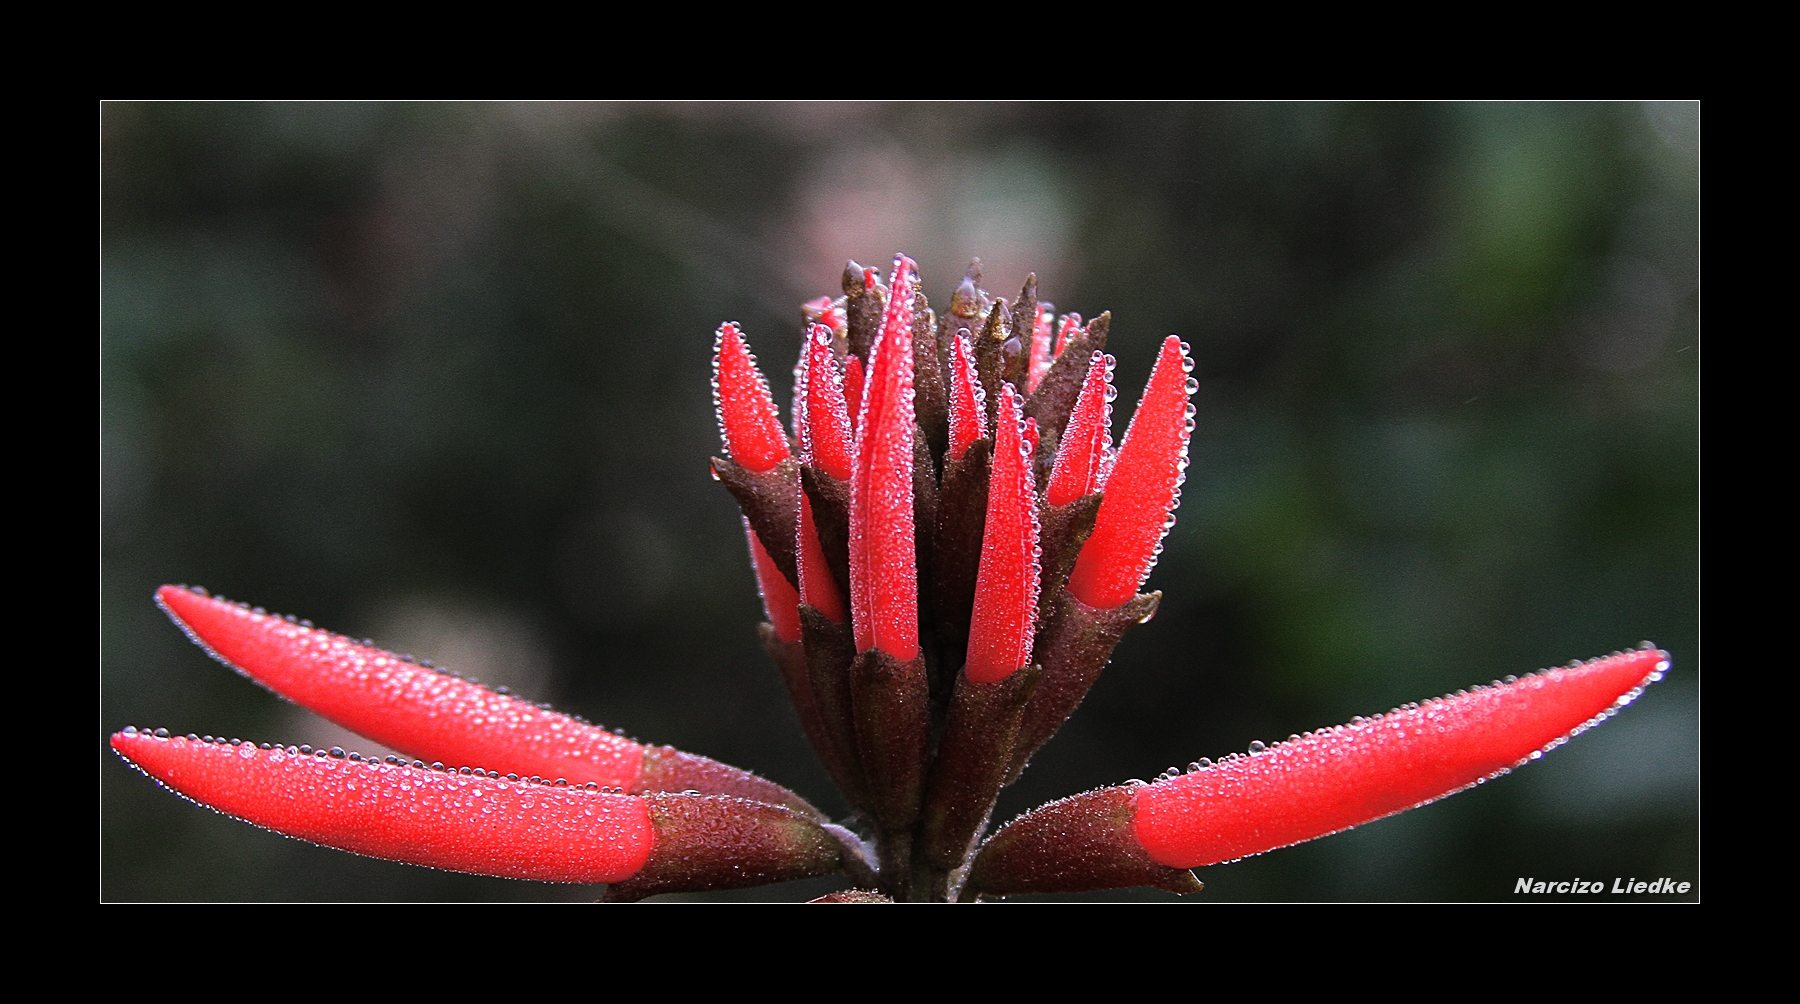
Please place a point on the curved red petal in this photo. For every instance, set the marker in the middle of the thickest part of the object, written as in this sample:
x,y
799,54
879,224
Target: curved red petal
x,y
1143,488
827,442
1336,778
1006,586
968,400
780,602
1086,438
477,824
401,704
884,574
748,421
437,716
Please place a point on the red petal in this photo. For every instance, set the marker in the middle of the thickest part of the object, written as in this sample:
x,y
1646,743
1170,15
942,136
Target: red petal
x,y
1086,438
748,422
855,383
400,704
780,602
1067,327
884,574
1341,777
968,400
826,444
1041,356
1006,587
1142,489
481,825
818,587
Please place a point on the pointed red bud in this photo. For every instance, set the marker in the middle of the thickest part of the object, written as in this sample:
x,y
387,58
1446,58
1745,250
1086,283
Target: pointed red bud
x,y
1006,587
780,602
1143,488
968,400
827,443
1041,356
748,422
1086,438
483,825
1336,778
818,587
884,574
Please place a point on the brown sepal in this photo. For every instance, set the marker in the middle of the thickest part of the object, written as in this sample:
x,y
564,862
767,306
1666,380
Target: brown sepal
x,y
1057,392
1061,532
892,703
705,842
962,516
771,502
1078,844
925,514
667,769
1073,646
863,308
992,347
852,896
831,517
790,659
830,648
972,760
931,395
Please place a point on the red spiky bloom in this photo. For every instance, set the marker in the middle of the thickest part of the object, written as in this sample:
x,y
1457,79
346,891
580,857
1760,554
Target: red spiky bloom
x,y
968,402
1006,589
979,613
747,419
884,574
1142,489
1087,438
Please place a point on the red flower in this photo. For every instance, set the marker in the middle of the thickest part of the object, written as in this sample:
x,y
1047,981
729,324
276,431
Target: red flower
x,y
936,616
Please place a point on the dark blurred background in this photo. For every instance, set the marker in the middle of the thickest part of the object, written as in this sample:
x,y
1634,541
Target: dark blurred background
x,y
437,374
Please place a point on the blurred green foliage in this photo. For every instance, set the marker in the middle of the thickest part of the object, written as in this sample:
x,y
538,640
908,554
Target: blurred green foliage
x,y
438,374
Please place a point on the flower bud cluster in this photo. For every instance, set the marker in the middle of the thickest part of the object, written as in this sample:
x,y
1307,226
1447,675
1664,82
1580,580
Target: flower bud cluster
x,y
948,545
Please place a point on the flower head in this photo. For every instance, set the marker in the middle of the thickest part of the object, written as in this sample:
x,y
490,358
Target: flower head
x,y
948,549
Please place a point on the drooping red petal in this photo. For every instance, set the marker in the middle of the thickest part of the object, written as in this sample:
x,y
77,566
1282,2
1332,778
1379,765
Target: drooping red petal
x,y
1143,488
818,587
1006,586
780,602
436,716
827,443
748,422
1341,777
401,704
1041,357
968,400
478,824
1086,438
884,575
